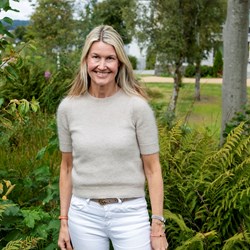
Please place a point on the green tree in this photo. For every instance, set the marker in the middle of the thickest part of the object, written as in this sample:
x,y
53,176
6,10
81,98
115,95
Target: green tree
x,y
204,30
178,31
116,13
52,27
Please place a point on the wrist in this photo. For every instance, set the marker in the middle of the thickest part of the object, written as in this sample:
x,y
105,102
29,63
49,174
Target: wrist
x,y
158,218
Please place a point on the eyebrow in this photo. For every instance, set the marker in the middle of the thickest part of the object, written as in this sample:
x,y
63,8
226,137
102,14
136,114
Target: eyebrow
x,y
94,53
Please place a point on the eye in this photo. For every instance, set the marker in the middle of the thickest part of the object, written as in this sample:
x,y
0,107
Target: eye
x,y
110,58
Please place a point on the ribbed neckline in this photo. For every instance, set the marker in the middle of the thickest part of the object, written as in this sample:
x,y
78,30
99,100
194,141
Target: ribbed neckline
x,y
105,99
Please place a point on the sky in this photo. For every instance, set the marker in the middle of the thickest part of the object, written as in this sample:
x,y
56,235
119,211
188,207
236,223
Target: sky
x,y
25,10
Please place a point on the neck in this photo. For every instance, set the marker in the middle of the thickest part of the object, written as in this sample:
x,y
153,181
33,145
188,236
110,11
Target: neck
x,y
102,92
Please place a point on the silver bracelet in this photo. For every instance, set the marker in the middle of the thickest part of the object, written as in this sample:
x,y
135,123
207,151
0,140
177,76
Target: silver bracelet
x,y
158,217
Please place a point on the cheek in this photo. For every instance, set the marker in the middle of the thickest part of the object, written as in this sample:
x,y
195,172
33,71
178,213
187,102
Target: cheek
x,y
90,66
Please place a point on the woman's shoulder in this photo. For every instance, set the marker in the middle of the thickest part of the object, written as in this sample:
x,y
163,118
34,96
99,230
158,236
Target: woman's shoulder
x,y
66,103
139,102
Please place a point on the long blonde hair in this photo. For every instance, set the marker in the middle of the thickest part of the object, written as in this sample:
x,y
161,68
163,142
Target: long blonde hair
x,y
125,77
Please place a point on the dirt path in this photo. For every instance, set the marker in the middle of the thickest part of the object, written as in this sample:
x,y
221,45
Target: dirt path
x,y
185,80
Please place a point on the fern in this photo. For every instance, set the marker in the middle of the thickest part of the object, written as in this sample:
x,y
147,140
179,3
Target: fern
x,y
3,208
26,244
235,242
206,187
196,242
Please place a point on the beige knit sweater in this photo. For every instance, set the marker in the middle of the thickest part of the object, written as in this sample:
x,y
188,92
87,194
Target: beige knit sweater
x,y
107,137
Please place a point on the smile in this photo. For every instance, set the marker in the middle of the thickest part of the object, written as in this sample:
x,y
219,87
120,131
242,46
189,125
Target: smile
x,y
99,73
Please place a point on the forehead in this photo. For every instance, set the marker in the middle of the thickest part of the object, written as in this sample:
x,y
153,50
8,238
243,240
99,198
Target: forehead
x,y
102,48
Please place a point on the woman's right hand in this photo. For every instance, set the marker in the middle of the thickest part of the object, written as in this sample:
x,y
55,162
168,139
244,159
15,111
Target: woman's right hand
x,y
64,238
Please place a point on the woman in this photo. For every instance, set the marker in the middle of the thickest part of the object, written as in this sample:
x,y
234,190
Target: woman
x,y
109,144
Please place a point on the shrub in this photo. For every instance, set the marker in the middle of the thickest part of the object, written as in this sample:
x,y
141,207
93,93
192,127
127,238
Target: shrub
x,y
31,81
206,71
28,209
150,59
218,64
189,71
239,117
206,189
133,61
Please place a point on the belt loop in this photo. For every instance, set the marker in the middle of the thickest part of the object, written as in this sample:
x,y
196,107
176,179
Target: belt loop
x,y
119,200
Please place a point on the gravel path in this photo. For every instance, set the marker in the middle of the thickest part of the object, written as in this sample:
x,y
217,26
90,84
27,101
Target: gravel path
x,y
185,80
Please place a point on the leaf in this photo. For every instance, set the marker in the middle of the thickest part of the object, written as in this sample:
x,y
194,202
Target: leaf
x,y
11,72
41,153
34,104
23,107
7,20
30,217
1,101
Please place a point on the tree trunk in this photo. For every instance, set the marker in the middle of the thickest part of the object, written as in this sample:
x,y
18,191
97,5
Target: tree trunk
x,y
177,84
235,46
197,80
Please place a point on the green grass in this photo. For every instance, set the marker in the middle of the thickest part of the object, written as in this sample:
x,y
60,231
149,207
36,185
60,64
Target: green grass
x,y
204,114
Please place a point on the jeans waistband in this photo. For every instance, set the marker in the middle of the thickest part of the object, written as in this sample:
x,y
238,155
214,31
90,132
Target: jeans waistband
x,y
107,201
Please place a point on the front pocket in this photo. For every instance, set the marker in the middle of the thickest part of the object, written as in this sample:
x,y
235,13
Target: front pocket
x,y
77,203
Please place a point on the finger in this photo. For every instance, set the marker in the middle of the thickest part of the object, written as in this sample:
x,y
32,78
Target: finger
x,y
68,245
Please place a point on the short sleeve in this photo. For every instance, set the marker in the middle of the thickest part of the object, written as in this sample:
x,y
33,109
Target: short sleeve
x,y
65,142
146,128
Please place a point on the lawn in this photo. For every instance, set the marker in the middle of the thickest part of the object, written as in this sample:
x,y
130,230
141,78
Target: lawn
x,y
198,114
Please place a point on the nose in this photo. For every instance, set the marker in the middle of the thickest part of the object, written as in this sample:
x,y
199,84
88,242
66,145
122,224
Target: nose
x,y
102,64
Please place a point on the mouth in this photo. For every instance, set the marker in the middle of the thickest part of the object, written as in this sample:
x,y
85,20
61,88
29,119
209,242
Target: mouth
x,y
102,73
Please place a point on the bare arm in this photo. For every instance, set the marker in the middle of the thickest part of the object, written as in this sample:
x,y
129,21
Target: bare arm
x,y
153,174
65,186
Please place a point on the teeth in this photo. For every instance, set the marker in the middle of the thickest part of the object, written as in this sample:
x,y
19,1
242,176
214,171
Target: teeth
x,y
102,73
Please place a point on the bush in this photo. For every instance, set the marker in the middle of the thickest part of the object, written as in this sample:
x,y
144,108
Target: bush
x,y
30,81
150,59
218,64
29,208
189,71
206,188
238,118
206,71
133,61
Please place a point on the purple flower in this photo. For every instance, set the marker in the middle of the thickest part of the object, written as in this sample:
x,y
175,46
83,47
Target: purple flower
x,y
47,75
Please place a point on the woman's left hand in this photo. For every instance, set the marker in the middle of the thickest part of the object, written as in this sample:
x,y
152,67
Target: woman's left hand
x,y
158,237
159,243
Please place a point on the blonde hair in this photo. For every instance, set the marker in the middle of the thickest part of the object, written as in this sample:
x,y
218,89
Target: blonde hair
x,y
125,77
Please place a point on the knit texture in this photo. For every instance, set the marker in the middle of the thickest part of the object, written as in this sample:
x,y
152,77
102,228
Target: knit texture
x,y
107,137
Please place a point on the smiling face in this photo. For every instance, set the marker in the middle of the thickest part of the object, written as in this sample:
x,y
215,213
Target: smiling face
x,y
102,64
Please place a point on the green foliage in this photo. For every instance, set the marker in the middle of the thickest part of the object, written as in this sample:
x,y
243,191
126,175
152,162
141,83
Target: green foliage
x,y
117,13
28,81
29,209
189,71
150,59
14,115
206,71
239,117
5,6
133,61
53,29
8,53
26,244
207,188
218,64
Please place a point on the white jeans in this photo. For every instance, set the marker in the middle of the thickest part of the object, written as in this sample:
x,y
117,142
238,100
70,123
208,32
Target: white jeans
x,y
126,224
